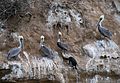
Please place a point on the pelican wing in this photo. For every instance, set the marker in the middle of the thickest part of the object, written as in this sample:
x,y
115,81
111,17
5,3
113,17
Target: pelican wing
x,y
14,52
46,50
106,32
62,45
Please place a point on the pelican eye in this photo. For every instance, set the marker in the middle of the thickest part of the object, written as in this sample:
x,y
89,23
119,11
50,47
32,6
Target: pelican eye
x,y
41,37
21,39
100,18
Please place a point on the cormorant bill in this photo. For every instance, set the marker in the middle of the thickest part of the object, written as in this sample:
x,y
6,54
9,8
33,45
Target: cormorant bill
x,y
14,52
60,44
103,31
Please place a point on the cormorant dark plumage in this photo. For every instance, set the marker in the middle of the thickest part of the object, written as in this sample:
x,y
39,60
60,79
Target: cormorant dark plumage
x,y
72,62
14,52
46,50
60,44
103,31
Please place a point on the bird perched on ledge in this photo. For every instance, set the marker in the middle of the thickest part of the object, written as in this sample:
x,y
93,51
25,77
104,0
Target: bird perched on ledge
x,y
103,31
14,52
48,52
60,44
72,62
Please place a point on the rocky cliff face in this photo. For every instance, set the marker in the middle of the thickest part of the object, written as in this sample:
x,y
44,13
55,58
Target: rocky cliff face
x,y
77,20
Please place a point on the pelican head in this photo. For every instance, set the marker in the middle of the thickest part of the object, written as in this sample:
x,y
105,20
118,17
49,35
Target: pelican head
x,y
21,41
42,40
60,34
102,17
81,20
100,20
42,37
20,38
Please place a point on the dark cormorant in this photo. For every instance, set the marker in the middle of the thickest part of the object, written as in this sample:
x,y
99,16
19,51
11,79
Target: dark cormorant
x,y
72,62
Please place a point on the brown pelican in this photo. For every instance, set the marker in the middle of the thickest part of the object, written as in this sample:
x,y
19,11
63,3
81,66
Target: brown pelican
x,y
48,52
14,52
60,44
103,31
